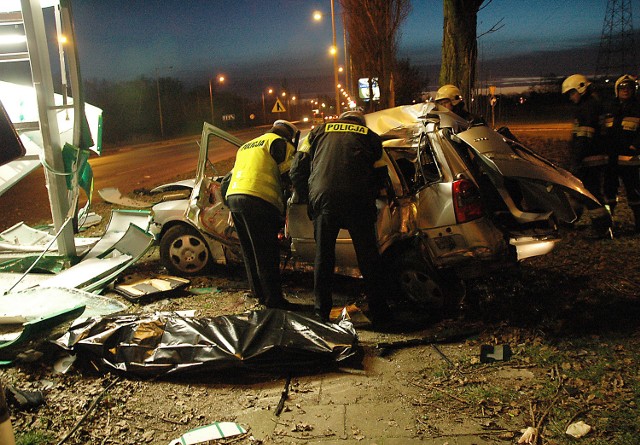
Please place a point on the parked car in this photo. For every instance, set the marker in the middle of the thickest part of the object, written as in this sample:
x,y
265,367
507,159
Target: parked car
x,y
461,201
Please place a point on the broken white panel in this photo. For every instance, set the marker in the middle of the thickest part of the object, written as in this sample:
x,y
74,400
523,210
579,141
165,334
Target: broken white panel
x,y
117,227
38,302
88,219
86,272
21,106
217,430
15,6
22,238
113,196
95,273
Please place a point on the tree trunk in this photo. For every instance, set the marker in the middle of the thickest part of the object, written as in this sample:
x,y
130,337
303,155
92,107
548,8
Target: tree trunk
x,y
459,45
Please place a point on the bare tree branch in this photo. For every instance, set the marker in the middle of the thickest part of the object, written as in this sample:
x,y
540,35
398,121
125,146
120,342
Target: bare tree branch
x,y
496,27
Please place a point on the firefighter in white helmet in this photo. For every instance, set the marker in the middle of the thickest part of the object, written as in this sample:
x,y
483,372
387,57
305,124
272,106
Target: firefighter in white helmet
x,y
450,97
621,128
588,160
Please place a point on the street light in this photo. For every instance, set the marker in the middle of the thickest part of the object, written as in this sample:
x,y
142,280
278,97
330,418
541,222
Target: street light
x,y
264,109
335,59
317,16
220,80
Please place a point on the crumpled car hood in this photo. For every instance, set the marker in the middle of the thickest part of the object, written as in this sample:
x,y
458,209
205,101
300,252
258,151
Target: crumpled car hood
x,y
393,121
512,160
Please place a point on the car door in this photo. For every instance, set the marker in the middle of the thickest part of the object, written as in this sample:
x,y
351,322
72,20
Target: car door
x,y
207,211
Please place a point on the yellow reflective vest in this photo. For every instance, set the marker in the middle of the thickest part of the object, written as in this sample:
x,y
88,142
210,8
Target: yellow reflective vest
x,y
256,173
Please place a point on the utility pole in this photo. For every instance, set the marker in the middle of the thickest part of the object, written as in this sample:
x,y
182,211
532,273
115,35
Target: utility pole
x,y
617,55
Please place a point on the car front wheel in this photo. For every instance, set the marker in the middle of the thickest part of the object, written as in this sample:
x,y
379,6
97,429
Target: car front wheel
x,y
183,251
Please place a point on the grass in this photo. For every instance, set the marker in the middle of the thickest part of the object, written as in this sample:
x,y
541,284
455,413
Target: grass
x,y
599,386
34,438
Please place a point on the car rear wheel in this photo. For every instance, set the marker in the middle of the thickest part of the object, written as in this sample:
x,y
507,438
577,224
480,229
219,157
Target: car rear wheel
x,y
418,282
183,251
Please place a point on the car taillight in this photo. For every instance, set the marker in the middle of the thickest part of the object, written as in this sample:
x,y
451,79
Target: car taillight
x,y
466,201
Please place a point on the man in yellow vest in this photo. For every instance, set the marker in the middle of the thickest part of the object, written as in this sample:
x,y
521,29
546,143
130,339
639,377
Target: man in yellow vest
x,y
256,199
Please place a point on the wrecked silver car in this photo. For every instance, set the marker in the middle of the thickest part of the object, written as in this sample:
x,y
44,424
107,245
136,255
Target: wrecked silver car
x,y
460,202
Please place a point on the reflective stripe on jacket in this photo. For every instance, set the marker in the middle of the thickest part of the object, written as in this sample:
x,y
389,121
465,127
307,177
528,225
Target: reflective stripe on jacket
x,y
256,173
583,131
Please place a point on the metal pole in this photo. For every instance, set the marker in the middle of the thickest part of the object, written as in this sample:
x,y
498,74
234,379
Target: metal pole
x,y
211,99
335,59
347,71
159,105
264,110
43,84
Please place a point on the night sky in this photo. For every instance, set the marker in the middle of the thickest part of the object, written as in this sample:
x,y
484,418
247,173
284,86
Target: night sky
x,y
256,42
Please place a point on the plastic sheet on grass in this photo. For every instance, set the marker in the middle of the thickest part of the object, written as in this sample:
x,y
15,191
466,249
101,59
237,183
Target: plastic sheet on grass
x,y
161,344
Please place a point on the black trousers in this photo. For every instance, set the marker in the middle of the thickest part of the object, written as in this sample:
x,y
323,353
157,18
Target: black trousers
x,y
257,223
363,234
630,179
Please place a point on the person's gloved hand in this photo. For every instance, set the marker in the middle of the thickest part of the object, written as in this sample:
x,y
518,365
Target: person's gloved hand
x,y
296,198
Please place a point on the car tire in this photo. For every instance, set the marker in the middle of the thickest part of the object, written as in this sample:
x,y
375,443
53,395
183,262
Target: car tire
x,y
183,251
418,282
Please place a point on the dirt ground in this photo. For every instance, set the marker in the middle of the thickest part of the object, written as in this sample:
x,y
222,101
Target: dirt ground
x,y
570,319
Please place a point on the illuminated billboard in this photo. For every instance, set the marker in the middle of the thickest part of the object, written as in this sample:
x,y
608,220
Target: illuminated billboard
x,y
363,89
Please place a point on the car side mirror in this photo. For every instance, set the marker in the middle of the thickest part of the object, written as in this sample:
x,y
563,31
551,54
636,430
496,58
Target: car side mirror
x,y
11,147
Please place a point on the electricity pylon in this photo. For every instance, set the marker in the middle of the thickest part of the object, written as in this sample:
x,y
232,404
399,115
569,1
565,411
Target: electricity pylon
x,y
617,52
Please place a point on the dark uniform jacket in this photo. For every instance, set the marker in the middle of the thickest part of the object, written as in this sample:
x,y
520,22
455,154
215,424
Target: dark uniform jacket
x,y
585,137
335,164
621,128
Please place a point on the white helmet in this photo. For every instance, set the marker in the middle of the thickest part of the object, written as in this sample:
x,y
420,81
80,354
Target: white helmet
x,y
292,130
450,92
627,80
355,116
575,82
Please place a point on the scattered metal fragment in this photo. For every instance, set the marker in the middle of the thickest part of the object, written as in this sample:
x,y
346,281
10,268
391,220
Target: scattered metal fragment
x,y
497,353
112,195
444,337
147,289
214,431
284,396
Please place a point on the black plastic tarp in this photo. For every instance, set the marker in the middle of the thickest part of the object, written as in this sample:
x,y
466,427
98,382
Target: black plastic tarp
x,y
160,344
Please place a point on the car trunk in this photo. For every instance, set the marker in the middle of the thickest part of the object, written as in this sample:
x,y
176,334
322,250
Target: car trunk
x,y
531,187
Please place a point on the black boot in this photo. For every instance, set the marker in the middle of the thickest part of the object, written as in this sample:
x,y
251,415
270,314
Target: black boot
x,y
601,223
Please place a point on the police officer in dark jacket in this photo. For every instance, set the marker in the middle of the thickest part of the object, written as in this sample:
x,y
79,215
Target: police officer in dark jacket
x,y
588,160
336,163
255,196
621,129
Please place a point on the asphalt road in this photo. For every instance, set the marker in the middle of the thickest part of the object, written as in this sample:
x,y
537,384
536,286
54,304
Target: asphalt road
x,y
148,165
127,168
